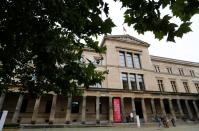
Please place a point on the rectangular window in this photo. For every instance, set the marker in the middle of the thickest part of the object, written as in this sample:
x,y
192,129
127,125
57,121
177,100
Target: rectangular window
x,y
136,60
157,68
185,84
173,85
161,85
192,73
48,106
132,79
141,82
181,72
129,59
125,81
122,59
169,70
197,86
75,107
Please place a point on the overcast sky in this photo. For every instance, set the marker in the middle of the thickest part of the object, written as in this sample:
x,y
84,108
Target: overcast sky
x,y
186,48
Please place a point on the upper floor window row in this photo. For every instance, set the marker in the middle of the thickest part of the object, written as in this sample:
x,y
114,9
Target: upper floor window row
x,y
128,59
170,71
174,86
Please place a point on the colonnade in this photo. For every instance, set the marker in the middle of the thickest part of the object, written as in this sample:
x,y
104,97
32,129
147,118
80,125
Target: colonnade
x,y
110,107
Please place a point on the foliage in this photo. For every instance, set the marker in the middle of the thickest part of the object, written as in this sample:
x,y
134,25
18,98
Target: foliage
x,y
41,41
145,15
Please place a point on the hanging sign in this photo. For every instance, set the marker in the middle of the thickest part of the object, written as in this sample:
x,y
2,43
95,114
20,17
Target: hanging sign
x,y
116,110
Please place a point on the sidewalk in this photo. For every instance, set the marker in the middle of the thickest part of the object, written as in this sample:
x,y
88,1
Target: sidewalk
x,y
194,127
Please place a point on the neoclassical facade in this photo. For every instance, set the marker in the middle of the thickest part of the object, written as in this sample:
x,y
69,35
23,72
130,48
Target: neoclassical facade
x,y
136,83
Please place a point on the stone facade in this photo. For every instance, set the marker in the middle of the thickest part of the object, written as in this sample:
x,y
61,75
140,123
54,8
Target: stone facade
x,y
145,85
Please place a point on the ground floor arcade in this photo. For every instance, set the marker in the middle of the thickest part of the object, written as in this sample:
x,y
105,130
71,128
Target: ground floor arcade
x,y
98,107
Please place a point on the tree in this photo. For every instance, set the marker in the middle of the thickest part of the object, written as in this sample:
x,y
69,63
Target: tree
x,y
42,41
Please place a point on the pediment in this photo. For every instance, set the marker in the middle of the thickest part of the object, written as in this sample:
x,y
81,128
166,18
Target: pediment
x,y
126,38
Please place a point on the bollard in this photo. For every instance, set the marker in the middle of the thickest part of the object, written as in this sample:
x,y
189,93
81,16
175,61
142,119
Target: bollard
x,y
138,121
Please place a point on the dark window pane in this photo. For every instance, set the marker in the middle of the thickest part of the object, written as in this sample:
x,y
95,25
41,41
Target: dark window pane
x,y
133,81
129,60
122,58
125,81
186,87
173,85
161,85
136,59
141,82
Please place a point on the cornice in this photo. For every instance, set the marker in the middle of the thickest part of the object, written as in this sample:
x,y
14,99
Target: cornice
x,y
125,38
173,61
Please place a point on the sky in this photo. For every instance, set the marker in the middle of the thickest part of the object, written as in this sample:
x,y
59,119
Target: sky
x,y
185,48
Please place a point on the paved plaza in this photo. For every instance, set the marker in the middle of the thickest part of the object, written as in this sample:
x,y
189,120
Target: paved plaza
x,y
178,128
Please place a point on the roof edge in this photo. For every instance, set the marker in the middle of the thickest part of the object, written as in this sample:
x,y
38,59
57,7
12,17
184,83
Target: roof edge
x,y
115,37
175,61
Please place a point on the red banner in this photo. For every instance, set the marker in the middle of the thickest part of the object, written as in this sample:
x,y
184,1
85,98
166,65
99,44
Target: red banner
x,y
116,110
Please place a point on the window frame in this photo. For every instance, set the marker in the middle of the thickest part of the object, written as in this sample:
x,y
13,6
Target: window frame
x,y
169,70
157,68
197,86
192,73
122,60
136,60
181,71
133,88
142,88
186,86
161,85
174,86
127,81
130,57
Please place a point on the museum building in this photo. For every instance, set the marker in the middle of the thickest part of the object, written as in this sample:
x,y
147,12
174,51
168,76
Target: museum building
x,y
136,83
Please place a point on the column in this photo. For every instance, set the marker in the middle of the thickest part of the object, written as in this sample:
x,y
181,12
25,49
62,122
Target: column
x,y
153,107
122,110
97,109
188,109
35,110
53,109
144,110
180,107
133,108
2,100
196,108
162,107
83,109
68,110
110,109
171,109
18,108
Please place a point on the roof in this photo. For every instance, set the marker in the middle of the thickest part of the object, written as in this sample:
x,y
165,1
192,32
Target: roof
x,y
124,38
175,61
